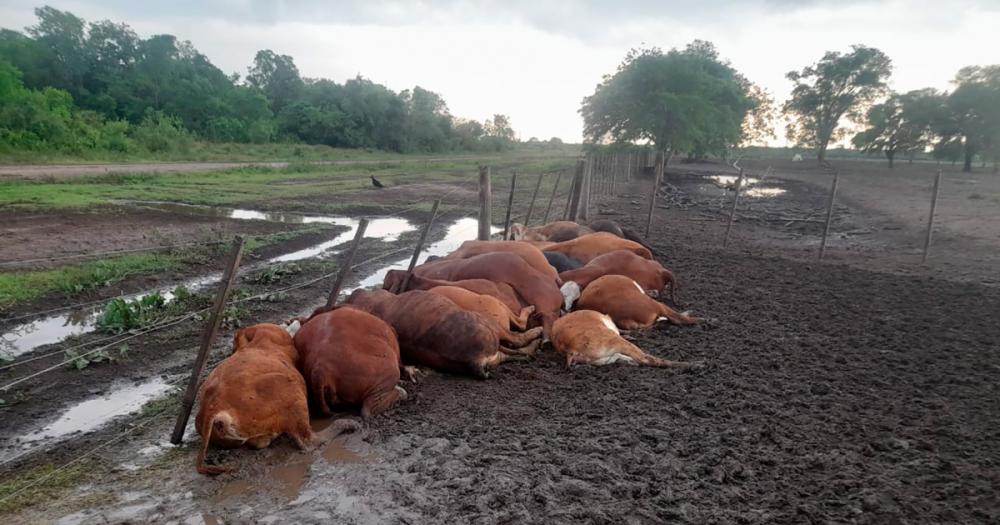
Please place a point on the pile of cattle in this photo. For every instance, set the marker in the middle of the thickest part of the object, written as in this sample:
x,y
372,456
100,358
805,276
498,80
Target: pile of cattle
x,y
482,305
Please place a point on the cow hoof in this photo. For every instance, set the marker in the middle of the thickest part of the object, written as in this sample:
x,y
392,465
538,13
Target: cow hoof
x,y
403,396
411,373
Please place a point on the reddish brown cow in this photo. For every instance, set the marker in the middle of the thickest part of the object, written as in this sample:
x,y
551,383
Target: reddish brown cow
x,y
394,283
531,254
590,337
554,231
486,306
435,332
350,357
254,396
589,247
650,275
627,304
536,288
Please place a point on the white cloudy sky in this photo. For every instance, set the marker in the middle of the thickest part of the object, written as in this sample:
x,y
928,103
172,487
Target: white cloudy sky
x,y
535,60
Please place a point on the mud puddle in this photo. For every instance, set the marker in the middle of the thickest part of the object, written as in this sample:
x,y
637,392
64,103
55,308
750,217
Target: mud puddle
x,y
752,186
25,337
86,416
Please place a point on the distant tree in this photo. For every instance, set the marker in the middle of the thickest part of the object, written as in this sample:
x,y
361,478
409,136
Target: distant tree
x,y
555,140
499,127
277,76
688,100
901,124
973,115
838,86
428,121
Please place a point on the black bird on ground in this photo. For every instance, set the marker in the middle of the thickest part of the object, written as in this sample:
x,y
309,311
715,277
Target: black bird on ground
x,y
376,183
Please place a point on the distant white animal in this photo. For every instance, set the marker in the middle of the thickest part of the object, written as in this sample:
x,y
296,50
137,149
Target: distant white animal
x,y
797,157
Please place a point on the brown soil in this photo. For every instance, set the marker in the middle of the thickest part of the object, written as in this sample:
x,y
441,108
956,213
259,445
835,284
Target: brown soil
x,y
854,390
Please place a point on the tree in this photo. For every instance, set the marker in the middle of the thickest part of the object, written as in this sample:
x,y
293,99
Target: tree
x,y
973,115
901,124
838,86
687,100
499,127
277,76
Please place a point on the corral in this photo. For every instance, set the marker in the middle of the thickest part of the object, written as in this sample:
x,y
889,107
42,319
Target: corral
x,y
859,388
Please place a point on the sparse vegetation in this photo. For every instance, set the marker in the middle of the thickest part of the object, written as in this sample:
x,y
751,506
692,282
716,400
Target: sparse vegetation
x,y
56,480
122,315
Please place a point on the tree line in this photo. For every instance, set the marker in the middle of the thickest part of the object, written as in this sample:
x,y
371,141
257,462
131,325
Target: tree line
x,y
690,101
70,85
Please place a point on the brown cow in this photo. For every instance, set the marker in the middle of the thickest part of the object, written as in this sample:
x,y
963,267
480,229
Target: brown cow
x,y
435,332
350,357
255,395
486,306
536,288
531,254
393,282
650,275
554,231
589,247
627,304
590,337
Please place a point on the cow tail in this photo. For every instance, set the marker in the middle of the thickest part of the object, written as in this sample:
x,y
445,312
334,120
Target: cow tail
x,y
217,425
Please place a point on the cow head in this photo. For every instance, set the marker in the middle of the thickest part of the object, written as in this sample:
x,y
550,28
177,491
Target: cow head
x,y
394,280
264,335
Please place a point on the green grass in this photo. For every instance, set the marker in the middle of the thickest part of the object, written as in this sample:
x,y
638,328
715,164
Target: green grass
x,y
44,491
22,286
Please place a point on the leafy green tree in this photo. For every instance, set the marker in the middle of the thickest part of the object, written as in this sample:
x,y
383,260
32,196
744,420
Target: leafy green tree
x,y
277,76
683,100
901,124
973,115
838,86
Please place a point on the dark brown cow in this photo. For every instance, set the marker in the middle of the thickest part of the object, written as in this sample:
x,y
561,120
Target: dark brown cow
x,y
536,288
350,357
435,332
589,247
394,283
527,251
650,274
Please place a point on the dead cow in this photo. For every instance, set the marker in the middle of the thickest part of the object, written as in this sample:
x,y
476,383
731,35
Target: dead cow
x,y
650,275
590,337
493,311
393,282
434,332
254,396
589,247
350,357
531,254
627,304
554,231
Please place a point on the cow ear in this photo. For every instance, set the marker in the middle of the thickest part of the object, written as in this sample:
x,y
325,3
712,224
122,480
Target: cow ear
x,y
240,339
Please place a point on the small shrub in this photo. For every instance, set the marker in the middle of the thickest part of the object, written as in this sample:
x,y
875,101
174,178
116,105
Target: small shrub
x,y
121,315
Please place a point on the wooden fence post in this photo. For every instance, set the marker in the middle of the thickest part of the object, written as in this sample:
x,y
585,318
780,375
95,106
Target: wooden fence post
x,y
331,300
531,207
485,203
614,172
732,211
510,203
660,162
576,192
586,191
545,219
207,338
829,214
420,243
930,218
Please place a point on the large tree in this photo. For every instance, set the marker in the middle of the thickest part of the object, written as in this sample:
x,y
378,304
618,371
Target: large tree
x,y
686,100
839,85
901,125
972,122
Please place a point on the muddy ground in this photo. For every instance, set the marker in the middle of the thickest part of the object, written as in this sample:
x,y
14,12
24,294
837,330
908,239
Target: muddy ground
x,y
861,389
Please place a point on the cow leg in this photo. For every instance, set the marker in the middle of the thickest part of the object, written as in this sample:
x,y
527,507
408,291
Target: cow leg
x,y
528,350
634,353
520,339
520,321
379,402
410,373
678,318
338,427
498,358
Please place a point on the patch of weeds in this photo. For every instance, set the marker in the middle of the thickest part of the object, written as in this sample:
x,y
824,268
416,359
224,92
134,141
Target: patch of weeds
x,y
80,360
121,315
169,402
275,273
41,485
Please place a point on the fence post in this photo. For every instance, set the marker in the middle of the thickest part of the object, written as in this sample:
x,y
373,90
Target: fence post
x,y
829,214
348,259
576,191
660,161
510,203
485,203
614,172
207,338
545,219
531,207
930,218
732,211
586,190
420,243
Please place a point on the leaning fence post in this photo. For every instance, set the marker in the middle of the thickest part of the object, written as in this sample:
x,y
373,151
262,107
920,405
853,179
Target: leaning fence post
x,y
420,244
732,211
660,161
207,338
930,218
829,214
576,193
510,203
348,259
545,218
485,203
586,190
531,207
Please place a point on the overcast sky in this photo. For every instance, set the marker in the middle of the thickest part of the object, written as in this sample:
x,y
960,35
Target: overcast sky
x,y
535,60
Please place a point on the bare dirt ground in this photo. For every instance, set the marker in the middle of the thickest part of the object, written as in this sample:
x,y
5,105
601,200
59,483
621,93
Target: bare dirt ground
x,y
861,389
